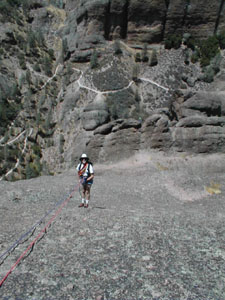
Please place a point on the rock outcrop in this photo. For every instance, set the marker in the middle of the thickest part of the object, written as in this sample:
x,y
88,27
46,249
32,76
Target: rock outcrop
x,y
194,123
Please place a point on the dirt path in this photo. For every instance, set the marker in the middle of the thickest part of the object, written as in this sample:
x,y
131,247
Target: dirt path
x,y
153,231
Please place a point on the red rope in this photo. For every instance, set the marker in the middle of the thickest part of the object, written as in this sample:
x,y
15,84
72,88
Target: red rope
x,y
39,235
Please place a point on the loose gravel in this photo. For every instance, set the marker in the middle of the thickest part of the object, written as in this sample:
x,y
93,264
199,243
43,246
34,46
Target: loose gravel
x,y
153,230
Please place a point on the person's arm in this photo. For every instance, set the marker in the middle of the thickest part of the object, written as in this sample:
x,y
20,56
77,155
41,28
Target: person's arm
x,y
78,169
91,173
90,177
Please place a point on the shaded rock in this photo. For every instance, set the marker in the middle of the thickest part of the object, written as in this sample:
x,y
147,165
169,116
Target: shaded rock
x,y
130,123
81,56
114,146
156,132
215,121
95,147
95,114
93,119
7,33
208,103
150,121
121,144
104,129
145,21
198,121
71,97
194,121
203,139
127,123
201,103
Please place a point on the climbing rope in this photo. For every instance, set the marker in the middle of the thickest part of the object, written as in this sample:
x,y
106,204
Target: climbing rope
x,y
31,245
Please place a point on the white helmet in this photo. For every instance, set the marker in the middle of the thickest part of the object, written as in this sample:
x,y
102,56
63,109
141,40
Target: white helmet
x,y
84,156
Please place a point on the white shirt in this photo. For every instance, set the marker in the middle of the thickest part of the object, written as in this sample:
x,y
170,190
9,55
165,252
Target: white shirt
x,y
85,174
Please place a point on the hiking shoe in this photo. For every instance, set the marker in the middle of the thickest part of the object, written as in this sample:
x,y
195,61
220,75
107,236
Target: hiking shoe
x,y
81,205
86,205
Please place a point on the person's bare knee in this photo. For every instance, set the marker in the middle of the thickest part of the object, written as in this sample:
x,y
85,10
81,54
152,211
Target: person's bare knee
x,y
88,193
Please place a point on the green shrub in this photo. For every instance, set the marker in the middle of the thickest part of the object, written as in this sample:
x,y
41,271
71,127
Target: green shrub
x,y
189,41
28,77
64,49
37,67
8,110
61,143
138,57
186,56
94,60
5,7
144,54
37,150
31,39
195,56
32,170
153,59
47,65
117,47
1,51
22,61
215,63
57,3
209,48
135,72
39,37
221,39
51,54
208,74
173,41
8,8
20,40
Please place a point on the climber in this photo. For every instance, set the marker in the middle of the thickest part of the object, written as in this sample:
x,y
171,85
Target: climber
x,y
86,175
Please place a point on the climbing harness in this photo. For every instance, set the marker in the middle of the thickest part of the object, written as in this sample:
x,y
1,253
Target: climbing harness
x,y
61,203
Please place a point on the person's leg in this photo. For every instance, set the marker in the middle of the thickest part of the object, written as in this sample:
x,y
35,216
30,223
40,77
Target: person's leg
x,y
87,193
82,195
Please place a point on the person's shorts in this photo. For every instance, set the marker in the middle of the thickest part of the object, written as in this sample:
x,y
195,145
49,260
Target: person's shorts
x,y
87,183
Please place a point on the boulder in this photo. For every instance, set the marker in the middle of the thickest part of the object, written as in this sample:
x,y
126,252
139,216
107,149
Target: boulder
x,y
127,123
210,103
204,139
95,114
206,103
156,132
192,121
81,56
104,129
71,97
93,119
114,146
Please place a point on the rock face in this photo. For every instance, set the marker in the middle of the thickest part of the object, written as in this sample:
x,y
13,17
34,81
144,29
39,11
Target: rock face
x,y
196,124
200,18
139,21
116,140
